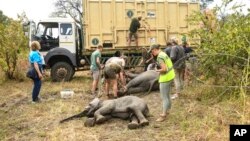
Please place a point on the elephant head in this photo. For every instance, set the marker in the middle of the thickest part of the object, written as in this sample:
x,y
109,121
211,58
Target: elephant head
x,y
88,110
92,107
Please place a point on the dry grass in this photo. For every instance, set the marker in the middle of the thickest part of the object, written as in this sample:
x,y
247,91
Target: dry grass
x,y
192,117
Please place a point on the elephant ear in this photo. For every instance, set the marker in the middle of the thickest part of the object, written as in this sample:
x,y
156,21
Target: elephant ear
x,y
94,103
93,106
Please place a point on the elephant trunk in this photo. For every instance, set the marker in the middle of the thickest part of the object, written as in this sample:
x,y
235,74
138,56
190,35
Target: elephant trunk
x,y
82,114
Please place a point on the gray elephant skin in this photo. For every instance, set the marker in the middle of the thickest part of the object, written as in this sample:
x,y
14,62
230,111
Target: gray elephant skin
x,y
128,107
144,82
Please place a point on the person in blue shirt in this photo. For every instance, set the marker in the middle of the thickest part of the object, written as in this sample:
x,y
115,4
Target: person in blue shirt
x,y
36,61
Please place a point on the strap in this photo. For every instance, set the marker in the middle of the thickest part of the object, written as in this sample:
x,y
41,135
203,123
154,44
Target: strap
x,y
165,61
169,70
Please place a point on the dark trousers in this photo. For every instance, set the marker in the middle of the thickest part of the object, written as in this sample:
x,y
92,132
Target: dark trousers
x,y
36,88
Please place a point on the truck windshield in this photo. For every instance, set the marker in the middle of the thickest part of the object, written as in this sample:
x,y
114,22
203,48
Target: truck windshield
x,y
40,29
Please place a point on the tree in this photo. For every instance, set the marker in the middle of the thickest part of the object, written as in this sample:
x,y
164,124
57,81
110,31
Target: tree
x,y
205,3
72,8
12,42
3,19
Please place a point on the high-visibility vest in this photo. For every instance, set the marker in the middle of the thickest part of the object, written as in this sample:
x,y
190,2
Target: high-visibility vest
x,y
169,75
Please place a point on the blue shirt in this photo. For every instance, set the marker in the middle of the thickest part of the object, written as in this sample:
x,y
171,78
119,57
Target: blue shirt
x,y
35,56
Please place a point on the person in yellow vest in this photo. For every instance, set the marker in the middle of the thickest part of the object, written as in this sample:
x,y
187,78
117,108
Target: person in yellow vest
x,y
166,78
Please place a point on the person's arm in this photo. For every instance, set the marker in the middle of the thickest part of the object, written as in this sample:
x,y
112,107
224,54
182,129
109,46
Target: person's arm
x,y
121,75
151,57
141,61
38,70
139,24
173,53
98,62
163,67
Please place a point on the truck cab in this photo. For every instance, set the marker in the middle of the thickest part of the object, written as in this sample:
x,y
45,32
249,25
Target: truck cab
x,y
59,40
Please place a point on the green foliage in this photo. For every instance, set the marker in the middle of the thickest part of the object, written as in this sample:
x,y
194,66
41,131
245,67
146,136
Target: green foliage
x,y
12,43
224,49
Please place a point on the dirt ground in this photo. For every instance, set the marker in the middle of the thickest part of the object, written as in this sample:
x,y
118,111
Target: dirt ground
x,y
191,117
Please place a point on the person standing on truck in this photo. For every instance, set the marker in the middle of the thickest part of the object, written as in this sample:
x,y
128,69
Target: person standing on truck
x,y
113,71
95,67
36,60
166,77
134,26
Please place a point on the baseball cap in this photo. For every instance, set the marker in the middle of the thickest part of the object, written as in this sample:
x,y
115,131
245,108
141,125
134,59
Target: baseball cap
x,y
157,46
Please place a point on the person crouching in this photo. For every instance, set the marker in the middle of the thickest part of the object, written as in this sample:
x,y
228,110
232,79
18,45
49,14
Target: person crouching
x,y
111,75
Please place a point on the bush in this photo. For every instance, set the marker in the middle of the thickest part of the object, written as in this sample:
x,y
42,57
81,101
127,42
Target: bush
x,y
12,46
224,49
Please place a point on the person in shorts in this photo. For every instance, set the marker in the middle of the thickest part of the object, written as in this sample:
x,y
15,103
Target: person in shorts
x,y
95,67
111,75
134,26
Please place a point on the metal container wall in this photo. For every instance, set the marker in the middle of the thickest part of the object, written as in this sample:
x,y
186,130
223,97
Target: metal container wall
x,y
107,21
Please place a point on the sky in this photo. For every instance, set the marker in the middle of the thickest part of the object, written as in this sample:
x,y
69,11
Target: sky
x,y
245,5
34,9
41,9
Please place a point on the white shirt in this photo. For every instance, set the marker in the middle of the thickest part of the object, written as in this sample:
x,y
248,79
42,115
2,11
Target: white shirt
x,y
117,60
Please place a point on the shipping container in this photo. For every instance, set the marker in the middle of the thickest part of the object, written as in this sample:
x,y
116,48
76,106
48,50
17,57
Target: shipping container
x,y
107,21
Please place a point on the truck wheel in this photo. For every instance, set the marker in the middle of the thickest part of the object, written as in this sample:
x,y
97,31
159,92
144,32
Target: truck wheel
x,y
73,73
62,71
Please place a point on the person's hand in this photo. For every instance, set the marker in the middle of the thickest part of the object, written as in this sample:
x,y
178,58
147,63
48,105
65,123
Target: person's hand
x,y
102,66
40,75
45,74
125,89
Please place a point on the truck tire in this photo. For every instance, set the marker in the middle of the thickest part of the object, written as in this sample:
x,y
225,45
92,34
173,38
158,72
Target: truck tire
x,y
62,71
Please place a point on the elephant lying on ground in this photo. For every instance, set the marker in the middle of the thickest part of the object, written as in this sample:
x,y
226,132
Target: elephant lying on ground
x,y
143,82
127,107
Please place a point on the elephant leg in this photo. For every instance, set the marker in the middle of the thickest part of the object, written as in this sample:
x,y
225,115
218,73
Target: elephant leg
x,y
131,75
141,117
135,90
99,114
89,122
133,83
133,123
102,119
